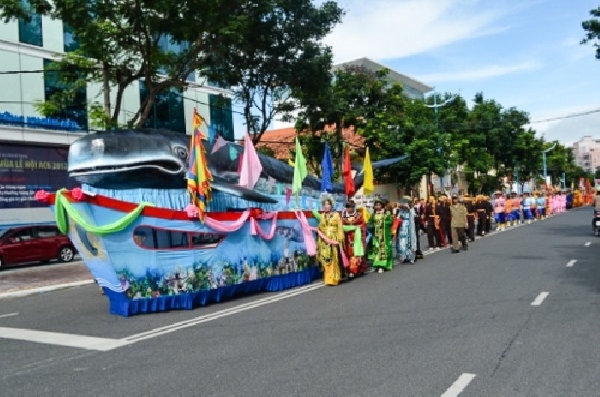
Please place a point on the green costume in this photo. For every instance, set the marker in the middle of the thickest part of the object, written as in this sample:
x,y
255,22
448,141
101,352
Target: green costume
x,y
380,251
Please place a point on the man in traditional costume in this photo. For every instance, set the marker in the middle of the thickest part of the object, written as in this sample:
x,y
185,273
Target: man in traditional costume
x,y
351,217
331,232
380,225
471,212
432,212
458,212
406,243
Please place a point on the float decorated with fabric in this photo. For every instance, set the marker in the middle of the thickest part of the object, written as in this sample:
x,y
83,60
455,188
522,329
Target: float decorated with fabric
x,y
166,221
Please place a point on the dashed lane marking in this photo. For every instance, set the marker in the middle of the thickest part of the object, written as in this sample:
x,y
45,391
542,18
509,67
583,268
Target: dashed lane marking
x,y
571,263
459,386
540,298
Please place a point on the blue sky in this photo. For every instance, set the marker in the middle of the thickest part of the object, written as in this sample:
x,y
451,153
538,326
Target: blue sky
x,y
521,53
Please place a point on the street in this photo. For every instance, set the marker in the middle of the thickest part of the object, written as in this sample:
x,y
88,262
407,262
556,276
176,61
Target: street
x,y
516,315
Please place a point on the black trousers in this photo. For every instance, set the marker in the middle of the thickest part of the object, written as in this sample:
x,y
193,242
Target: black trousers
x,y
433,237
471,227
448,230
481,219
488,222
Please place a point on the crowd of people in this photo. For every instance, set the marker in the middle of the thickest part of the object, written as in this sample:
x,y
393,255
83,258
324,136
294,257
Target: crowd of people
x,y
393,232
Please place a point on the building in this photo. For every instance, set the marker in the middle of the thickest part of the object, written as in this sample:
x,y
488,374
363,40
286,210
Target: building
x,y
586,153
33,148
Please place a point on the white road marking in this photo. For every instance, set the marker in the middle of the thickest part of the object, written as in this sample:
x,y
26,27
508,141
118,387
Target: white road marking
x,y
220,314
39,290
457,387
9,315
588,243
540,298
106,344
571,262
60,339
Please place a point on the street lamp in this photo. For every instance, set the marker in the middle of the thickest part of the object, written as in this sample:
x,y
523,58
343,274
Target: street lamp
x,y
544,152
436,106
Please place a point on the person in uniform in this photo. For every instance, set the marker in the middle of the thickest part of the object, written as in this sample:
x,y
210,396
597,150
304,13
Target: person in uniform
x,y
471,212
445,229
534,206
516,208
458,214
508,210
499,215
541,206
489,214
481,207
432,212
527,216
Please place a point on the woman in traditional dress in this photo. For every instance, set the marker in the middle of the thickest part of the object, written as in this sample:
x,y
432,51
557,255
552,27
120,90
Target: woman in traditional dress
x,y
381,248
406,245
352,217
330,225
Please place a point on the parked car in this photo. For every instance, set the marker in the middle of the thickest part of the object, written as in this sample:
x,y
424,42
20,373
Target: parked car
x,y
34,243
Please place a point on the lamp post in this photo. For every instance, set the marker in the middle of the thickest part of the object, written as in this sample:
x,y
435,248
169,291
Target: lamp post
x,y
435,107
544,152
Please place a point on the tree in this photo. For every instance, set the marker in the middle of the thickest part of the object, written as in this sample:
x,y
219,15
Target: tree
x,y
592,30
121,42
277,60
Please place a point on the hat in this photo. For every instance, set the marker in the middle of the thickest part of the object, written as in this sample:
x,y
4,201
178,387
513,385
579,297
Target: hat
x,y
380,201
466,197
454,197
442,195
350,203
327,197
405,200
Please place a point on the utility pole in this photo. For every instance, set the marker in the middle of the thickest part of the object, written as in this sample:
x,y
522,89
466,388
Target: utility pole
x,y
436,107
546,163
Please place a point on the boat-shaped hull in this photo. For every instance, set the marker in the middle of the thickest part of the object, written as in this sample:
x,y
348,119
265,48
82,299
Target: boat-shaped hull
x,y
150,259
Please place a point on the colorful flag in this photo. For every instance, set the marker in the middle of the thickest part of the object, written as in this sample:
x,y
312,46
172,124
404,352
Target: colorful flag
x,y
368,187
251,166
288,195
290,162
347,173
198,176
326,170
300,170
219,143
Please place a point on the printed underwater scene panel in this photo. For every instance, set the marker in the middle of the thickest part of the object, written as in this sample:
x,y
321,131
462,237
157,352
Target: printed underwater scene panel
x,y
154,257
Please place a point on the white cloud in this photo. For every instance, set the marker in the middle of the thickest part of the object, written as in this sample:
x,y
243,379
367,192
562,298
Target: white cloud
x,y
480,73
568,130
390,29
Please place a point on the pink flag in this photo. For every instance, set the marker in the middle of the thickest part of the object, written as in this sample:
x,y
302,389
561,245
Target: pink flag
x,y
219,143
251,167
288,195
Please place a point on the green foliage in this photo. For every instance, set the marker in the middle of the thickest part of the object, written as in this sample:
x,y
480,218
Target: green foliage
x,y
592,30
275,57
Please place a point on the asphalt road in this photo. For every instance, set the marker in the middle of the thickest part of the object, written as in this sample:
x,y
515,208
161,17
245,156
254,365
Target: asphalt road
x,y
507,318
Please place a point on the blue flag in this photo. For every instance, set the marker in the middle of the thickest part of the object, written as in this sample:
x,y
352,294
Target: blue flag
x,y
327,170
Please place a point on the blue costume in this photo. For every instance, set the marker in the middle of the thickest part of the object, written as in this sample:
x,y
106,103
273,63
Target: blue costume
x,y
541,206
527,208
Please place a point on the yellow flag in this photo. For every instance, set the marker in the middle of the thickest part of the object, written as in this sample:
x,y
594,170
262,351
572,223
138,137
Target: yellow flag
x,y
368,187
290,162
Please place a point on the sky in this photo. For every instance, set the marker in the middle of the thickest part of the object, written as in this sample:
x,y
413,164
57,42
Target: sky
x,y
524,54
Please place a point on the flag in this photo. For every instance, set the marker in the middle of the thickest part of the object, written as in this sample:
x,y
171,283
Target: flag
x,y
300,170
290,162
240,160
347,173
368,187
198,176
251,167
219,143
326,170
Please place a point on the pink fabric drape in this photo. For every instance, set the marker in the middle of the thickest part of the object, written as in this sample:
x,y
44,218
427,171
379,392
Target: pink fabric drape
x,y
221,226
309,239
255,227
251,167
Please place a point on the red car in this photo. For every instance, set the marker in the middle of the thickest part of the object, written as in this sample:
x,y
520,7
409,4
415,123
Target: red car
x,y
34,243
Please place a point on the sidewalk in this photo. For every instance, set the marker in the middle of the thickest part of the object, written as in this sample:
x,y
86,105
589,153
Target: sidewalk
x,y
38,276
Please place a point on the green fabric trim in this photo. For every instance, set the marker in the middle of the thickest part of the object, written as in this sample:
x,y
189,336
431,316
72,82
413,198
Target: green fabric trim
x,y
63,208
316,214
358,243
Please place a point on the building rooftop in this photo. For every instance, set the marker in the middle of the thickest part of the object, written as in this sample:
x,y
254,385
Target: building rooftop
x,y
395,76
281,141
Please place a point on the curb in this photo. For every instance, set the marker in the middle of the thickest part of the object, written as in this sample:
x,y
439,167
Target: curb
x,y
39,290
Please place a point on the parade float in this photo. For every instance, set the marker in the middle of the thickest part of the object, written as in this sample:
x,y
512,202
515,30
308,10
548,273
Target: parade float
x,y
166,222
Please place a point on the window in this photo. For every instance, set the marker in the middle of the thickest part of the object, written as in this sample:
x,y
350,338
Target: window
x,y
221,117
30,32
167,44
167,110
76,109
47,231
152,238
70,42
23,235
